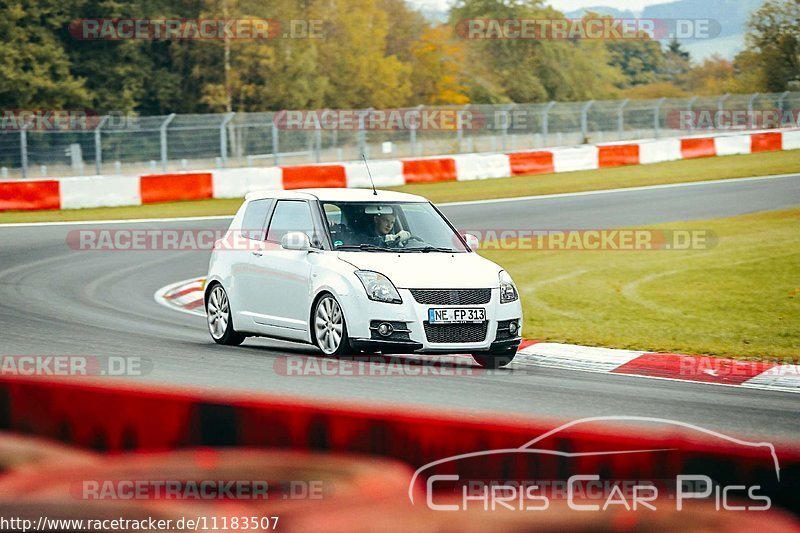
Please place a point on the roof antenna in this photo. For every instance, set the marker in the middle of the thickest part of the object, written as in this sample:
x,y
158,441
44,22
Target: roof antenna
x,y
364,157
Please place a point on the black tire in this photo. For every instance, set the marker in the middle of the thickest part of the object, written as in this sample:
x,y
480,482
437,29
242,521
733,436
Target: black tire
x,y
328,302
494,360
218,303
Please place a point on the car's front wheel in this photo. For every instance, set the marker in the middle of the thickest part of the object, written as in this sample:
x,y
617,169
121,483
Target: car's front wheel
x,y
494,360
330,329
220,321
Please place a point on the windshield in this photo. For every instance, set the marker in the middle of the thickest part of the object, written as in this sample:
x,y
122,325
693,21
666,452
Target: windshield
x,y
390,226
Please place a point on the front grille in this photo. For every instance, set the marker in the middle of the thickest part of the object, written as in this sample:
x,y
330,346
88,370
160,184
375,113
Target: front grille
x,y
446,333
452,296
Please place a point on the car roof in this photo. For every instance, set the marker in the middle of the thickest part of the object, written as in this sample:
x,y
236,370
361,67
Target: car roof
x,y
337,195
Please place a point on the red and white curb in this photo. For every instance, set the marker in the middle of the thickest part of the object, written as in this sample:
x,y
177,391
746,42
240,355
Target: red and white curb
x,y
769,375
187,296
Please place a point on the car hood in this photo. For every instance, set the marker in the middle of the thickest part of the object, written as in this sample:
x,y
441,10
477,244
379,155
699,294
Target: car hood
x,y
428,270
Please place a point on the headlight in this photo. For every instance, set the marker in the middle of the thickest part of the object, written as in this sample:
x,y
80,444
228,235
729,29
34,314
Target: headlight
x,y
378,287
508,291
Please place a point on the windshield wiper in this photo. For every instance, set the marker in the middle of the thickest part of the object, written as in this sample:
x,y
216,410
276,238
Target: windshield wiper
x,y
363,248
426,249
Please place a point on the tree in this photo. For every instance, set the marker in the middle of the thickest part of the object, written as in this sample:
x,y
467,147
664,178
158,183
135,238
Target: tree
x,y
531,69
774,37
34,66
353,58
715,75
677,61
640,60
436,61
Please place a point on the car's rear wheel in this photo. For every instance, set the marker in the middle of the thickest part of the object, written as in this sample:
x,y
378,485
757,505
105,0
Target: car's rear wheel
x,y
330,329
220,320
494,360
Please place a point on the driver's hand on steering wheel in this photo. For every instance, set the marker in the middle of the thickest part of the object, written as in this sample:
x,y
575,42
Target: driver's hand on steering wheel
x,y
401,237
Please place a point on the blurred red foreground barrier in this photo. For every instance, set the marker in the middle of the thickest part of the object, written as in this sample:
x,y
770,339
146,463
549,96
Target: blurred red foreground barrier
x,y
309,492
115,416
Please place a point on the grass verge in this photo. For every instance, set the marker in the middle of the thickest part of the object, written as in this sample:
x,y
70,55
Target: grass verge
x,y
712,168
739,299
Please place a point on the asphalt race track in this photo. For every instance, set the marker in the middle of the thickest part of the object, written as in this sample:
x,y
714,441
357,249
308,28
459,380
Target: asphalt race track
x,y
55,300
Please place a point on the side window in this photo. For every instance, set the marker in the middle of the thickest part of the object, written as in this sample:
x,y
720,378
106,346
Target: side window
x,y
290,215
254,219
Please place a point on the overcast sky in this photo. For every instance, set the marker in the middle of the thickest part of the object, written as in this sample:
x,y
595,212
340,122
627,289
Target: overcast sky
x,y
562,5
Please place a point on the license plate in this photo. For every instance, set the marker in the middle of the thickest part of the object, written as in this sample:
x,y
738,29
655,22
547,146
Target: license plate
x,y
457,316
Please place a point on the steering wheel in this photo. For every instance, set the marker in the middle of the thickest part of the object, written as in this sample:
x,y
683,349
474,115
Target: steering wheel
x,y
412,238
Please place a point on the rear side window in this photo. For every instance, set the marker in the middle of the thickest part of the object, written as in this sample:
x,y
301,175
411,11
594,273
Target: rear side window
x,y
291,215
255,216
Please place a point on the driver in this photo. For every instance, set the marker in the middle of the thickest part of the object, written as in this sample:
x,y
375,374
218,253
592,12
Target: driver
x,y
380,233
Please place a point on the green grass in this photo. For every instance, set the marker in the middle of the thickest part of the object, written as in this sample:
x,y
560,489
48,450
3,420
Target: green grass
x,y
740,298
674,172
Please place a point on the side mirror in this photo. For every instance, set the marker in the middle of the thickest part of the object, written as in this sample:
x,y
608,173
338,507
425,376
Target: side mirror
x,y
472,241
295,240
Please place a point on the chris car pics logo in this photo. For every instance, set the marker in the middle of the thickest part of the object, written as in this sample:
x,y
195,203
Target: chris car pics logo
x,y
587,491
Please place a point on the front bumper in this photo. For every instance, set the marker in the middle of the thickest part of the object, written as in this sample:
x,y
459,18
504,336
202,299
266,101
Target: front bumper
x,y
410,316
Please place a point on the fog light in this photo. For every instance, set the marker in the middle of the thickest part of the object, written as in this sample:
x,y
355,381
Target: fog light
x,y
385,329
512,328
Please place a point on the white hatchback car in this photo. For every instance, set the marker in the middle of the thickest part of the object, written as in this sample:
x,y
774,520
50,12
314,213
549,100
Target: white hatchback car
x,y
352,270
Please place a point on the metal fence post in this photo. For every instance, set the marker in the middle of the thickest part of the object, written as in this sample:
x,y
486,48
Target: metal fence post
x,y
546,121
750,102
780,107
362,134
98,146
23,144
621,117
721,101
657,116
276,148
318,141
164,141
223,138
585,119
691,103
412,130
460,128
720,109
506,122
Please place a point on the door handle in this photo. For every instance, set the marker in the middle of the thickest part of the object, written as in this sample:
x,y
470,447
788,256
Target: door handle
x,y
258,253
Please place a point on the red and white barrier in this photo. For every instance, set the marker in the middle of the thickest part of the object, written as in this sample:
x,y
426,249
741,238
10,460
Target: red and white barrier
x,y
100,191
109,191
237,182
660,151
